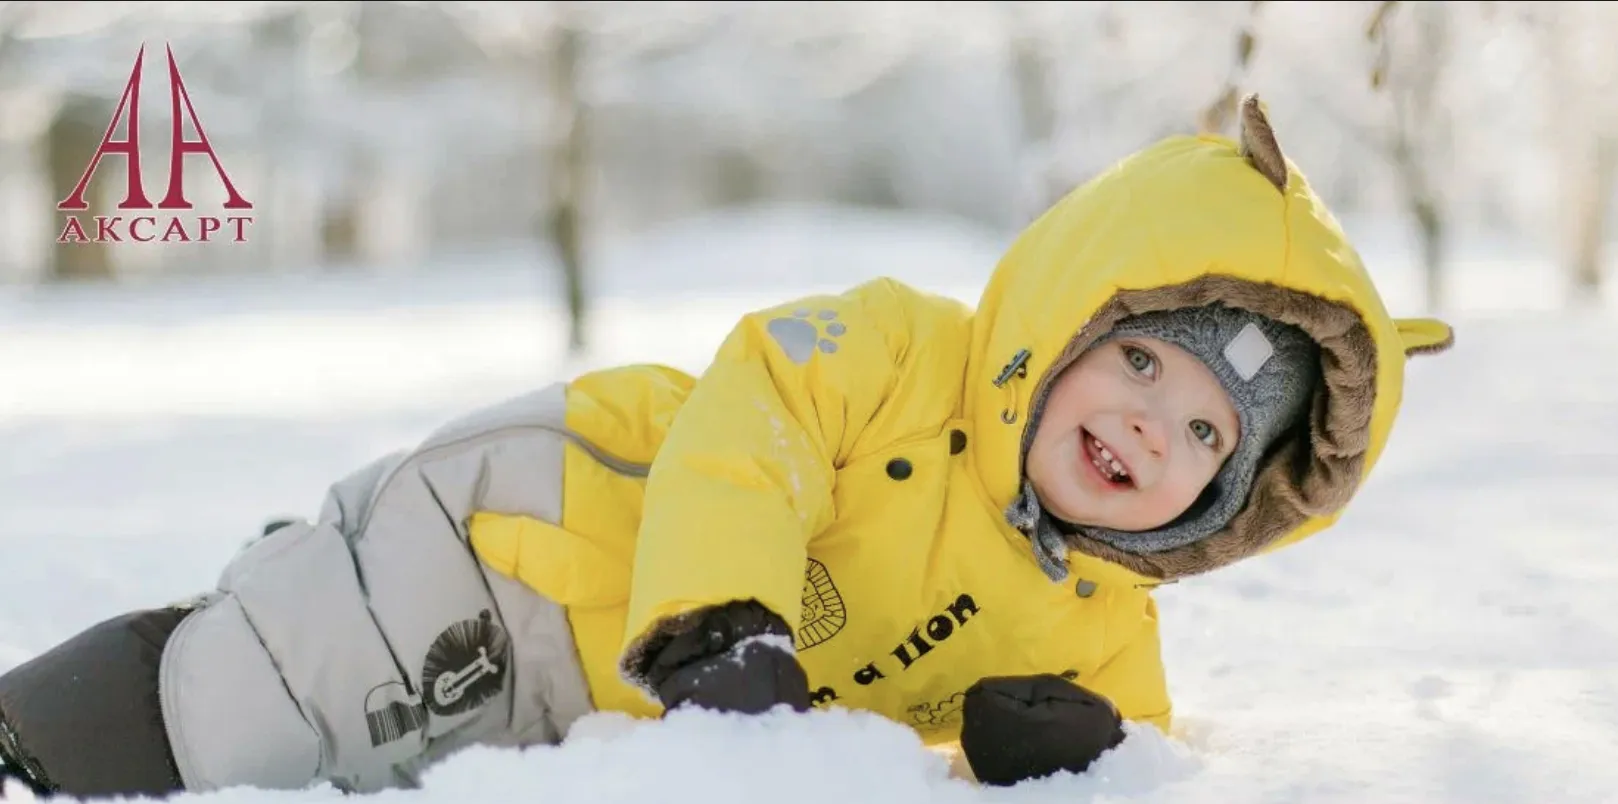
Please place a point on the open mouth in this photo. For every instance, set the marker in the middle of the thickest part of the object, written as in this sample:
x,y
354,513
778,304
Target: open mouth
x,y
1111,469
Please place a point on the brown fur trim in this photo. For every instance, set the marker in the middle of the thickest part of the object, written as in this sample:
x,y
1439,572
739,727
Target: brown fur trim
x,y
637,658
1314,470
1432,348
1258,144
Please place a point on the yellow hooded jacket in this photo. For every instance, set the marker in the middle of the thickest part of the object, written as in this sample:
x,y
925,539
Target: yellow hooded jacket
x,y
846,459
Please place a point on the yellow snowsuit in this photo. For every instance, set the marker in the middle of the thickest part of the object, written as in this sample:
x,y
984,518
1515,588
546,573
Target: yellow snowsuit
x,y
846,459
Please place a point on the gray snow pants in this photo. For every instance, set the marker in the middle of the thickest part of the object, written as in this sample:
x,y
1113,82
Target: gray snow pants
x,y
357,649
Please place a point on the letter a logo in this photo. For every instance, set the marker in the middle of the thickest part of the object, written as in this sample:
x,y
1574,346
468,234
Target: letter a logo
x,y
135,195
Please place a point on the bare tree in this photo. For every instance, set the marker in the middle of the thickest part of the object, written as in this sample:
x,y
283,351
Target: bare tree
x,y
71,141
1033,68
68,143
11,15
342,205
1589,168
1582,121
568,165
548,45
1421,125
1404,121
1055,50
1217,116
1126,73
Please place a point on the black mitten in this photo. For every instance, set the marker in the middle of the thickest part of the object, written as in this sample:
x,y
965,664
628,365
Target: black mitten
x,y
1016,728
720,664
15,779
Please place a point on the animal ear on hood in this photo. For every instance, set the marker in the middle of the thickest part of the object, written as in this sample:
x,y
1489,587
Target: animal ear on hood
x,y
1424,336
1258,144
1418,336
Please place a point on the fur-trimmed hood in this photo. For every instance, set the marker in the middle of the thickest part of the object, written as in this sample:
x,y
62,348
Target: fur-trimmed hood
x,y
1189,221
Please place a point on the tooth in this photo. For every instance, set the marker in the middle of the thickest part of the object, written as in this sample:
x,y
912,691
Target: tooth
x,y
1105,454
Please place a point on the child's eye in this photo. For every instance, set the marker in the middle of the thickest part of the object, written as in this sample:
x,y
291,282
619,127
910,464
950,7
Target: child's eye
x,y
1141,360
1205,433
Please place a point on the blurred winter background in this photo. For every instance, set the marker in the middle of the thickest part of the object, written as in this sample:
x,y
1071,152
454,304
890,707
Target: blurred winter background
x,y
456,201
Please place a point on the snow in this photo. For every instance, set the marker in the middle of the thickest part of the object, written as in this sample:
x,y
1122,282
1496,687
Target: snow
x,y
1450,641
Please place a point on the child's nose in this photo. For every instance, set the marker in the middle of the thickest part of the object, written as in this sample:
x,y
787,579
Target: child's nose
x,y
1149,433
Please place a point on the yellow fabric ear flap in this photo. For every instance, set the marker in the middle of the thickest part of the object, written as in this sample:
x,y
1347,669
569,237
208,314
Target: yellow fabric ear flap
x,y
1424,336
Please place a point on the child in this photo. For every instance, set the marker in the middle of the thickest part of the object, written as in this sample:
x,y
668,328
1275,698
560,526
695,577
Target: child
x,y
880,500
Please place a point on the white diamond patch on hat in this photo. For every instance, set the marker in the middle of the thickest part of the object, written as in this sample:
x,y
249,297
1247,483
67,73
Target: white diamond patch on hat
x,y
1249,351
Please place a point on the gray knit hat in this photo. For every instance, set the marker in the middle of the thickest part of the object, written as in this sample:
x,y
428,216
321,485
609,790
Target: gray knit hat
x,y
1269,369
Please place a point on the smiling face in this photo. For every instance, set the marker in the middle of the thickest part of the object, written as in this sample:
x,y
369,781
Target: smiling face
x,y
1131,434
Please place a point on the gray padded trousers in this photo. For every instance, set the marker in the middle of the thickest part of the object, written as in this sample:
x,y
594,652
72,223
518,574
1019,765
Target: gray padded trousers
x,y
357,649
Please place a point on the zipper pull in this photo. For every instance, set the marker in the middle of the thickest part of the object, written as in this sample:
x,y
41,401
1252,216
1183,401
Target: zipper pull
x,y
1018,367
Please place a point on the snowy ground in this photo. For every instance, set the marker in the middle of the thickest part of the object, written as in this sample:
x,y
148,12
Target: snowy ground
x,y
1452,641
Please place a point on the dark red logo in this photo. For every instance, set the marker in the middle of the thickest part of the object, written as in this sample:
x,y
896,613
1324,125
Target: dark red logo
x,y
161,223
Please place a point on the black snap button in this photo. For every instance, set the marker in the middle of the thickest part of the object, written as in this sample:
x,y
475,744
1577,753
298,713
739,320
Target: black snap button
x,y
1085,588
957,442
899,469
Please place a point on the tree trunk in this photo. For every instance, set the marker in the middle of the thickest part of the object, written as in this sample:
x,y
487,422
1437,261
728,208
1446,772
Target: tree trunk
x,y
1591,202
343,218
1430,229
1415,149
1035,102
567,169
70,143
1427,209
340,231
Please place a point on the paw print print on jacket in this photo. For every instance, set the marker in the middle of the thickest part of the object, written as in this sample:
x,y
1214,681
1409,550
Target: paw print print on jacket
x,y
806,331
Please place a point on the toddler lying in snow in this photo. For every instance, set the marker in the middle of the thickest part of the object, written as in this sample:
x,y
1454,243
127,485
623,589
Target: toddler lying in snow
x,y
883,499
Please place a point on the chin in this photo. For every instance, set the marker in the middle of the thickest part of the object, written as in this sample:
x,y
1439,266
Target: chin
x,y
1076,516
1094,520
1137,527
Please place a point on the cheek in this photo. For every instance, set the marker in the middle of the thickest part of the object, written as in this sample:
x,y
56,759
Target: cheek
x,y
1071,396
1186,482
1055,418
